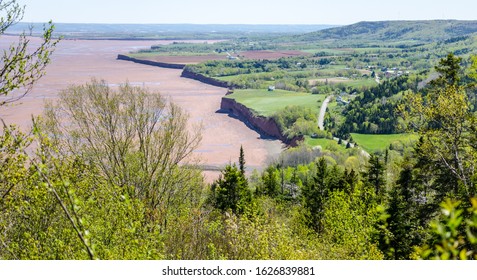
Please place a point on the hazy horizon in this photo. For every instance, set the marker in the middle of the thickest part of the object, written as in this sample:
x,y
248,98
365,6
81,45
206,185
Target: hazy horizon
x,y
266,12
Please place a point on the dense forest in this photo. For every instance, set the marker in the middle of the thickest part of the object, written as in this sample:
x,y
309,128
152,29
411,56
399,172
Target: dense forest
x,y
375,110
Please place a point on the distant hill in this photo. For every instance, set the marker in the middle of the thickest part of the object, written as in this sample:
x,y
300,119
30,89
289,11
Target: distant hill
x,y
422,31
137,31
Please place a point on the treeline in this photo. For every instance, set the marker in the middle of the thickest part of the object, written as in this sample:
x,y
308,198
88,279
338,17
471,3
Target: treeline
x,y
293,73
296,121
239,44
374,110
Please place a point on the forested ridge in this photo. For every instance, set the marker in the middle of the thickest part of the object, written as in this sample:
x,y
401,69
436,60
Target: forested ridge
x,y
419,31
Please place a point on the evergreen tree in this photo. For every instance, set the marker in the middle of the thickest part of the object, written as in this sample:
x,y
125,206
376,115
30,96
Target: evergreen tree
x,y
375,176
314,195
242,161
270,182
449,70
231,192
403,222
350,179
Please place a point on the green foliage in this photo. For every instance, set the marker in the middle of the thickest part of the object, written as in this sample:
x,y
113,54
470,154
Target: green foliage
x,y
389,31
404,226
374,111
454,235
270,182
242,161
136,138
20,66
315,192
348,226
374,176
56,208
274,234
446,124
449,70
295,120
231,191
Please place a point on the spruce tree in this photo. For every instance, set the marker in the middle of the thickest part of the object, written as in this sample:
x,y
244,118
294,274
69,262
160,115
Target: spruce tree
x,y
314,195
403,221
231,192
375,176
242,161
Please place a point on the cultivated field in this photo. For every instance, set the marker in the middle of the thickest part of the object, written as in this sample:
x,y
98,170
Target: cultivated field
x,y
266,103
180,58
380,142
271,54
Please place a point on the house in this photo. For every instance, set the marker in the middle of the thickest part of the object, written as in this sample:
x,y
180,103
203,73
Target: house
x,y
341,101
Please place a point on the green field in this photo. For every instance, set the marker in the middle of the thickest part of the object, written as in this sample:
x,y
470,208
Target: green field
x,y
257,76
265,102
376,142
156,54
353,83
325,144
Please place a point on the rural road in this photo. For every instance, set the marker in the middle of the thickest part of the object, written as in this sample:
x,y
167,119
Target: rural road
x,y
321,117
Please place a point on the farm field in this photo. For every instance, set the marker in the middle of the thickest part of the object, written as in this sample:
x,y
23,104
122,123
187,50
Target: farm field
x,y
266,103
199,56
270,54
190,58
379,142
327,144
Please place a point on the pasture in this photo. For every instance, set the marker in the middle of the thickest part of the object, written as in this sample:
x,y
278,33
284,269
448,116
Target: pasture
x,y
379,142
265,103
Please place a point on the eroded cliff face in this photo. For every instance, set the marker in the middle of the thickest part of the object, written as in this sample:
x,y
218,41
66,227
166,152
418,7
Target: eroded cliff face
x,y
207,80
265,126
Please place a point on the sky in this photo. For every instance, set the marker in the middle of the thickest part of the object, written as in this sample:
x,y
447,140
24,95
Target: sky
x,y
339,12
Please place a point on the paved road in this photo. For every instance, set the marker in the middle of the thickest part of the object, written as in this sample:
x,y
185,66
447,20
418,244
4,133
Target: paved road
x,y
321,117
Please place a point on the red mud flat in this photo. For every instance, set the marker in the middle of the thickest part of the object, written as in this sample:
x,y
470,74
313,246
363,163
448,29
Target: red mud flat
x,y
78,61
271,54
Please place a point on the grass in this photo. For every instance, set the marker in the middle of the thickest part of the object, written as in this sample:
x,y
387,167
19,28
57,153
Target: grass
x,y
355,83
330,52
379,142
325,144
231,78
265,102
155,54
